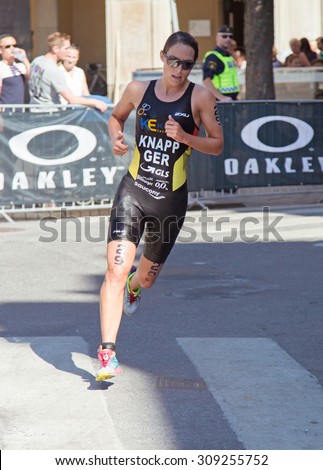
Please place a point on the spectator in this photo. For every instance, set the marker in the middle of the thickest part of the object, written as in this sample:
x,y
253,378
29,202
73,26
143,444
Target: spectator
x,y
219,72
276,63
297,58
319,42
75,76
239,56
233,46
306,48
319,60
13,75
47,82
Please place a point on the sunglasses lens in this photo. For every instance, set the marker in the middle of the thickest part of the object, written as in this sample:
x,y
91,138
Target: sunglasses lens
x,y
173,62
187,65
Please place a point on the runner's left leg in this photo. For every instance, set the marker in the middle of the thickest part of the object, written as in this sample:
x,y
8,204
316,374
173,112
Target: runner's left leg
x,y
146,274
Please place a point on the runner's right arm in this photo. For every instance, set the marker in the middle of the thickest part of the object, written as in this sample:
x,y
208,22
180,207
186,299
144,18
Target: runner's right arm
x,y
121,112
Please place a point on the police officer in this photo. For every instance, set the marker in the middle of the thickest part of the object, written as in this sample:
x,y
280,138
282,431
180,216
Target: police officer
x,y
219,71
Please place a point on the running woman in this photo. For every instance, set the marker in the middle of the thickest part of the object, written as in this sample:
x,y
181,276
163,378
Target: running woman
x,y
152,196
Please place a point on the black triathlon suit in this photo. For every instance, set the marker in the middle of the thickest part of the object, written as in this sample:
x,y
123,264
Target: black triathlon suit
x,y
152,196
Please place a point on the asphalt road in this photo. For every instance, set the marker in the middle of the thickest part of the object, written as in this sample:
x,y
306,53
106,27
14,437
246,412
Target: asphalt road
x,y
225,352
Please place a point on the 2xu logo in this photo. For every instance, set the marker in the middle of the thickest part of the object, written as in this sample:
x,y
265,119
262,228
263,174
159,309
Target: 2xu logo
x,y
85,138
249,134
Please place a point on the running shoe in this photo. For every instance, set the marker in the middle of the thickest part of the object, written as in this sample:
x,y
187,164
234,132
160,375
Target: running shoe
x,y
109,365
131,298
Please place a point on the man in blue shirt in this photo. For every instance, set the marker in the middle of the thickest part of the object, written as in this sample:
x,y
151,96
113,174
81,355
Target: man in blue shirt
x,y
13,74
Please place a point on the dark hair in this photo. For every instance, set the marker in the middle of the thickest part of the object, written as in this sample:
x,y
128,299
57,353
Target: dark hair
x,y
306,48
305,45
2,36
183,38
75,46
241,49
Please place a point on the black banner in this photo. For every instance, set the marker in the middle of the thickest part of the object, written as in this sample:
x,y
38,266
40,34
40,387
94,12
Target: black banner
x,y
62,156
266,144
66,156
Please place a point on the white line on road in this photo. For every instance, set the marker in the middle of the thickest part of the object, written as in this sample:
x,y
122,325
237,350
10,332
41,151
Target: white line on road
x,y
270,400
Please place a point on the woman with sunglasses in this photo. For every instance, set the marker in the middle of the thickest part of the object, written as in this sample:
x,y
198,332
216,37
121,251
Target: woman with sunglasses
x,y
152,196
12,74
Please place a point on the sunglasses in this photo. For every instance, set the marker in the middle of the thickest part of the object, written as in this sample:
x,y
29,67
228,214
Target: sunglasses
x,y
173,62
225,36
8,46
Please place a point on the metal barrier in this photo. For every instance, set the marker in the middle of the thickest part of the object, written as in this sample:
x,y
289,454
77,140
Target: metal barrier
x,y
40,147
7,212
266,144
291,83
62,156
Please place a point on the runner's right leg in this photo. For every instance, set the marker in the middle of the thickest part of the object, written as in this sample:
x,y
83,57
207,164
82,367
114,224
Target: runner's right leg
x,y
120,258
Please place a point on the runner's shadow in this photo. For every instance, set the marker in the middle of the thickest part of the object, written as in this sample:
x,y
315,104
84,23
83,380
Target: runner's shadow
x,y
63,335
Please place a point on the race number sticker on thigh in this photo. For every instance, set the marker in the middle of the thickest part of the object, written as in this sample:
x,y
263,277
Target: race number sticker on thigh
x,y
120,252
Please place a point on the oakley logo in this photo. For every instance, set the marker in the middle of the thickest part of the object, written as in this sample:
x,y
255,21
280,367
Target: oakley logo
x,y
249,134
86,144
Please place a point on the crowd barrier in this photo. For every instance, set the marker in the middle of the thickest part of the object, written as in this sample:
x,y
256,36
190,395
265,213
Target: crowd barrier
x,y
63,156
291,83
266,143
294,83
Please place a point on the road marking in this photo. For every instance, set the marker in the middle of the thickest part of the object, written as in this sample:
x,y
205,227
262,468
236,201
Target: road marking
x,y
46,399
269,399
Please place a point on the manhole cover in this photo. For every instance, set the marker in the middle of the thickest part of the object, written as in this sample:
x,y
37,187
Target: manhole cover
x,y
178,383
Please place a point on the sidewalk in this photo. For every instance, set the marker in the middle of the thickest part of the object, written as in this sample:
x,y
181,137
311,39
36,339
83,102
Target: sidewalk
x,y
243,197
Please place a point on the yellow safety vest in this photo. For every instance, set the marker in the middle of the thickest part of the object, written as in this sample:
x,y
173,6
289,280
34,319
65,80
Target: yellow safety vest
x,y
227,81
